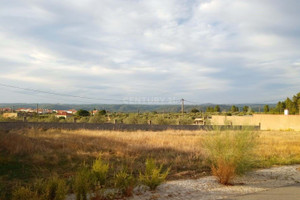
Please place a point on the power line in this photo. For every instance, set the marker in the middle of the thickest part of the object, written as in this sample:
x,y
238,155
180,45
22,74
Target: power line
x,y
55,93
55,98
89,98
191,101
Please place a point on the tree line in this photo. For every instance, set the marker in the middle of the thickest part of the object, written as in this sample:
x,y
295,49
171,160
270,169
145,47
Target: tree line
x,y
293,105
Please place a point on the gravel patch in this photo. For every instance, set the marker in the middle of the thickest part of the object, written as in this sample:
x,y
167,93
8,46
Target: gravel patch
x,y
208,188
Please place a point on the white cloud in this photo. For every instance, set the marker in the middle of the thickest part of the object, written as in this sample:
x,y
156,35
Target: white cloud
x,y
196,49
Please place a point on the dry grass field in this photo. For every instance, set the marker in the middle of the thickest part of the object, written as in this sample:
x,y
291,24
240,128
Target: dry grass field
x,y
26,155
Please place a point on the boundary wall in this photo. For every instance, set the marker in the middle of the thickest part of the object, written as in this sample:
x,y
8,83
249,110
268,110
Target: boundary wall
x,y
265,121
120,127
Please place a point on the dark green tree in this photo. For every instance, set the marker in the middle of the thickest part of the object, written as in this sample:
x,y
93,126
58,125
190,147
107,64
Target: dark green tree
x,y
291,106
102,112
234,109
83,113
266,109
245,108
280,106
217,108
296,100
194,110
209,109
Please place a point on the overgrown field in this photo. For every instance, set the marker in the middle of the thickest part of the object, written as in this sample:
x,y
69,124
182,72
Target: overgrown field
x,y
27,155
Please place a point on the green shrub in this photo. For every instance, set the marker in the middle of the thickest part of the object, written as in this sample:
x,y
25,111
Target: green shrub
x,y
161,120
231,152
24,193
132,119
185,121
153,175
84,120
83,113
51,118
97,119
5,190
56,189
125,182
82,183
39,186
100,170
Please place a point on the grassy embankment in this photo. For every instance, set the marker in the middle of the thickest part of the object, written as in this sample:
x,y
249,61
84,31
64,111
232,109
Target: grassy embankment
x,y
26,155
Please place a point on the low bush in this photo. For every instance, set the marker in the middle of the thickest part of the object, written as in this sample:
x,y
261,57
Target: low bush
x,y
125,182
230,153
83,120
39,186
224,171
24,193
82,184
161,120
97,119
132,119
56,189
99,171
153,175
3,191
185,121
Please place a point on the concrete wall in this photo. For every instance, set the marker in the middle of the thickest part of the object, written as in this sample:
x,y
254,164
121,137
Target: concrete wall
x,y
233,120
266,121
279,122
119,127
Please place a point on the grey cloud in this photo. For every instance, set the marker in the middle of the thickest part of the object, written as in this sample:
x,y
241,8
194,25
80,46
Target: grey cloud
x,y
208,51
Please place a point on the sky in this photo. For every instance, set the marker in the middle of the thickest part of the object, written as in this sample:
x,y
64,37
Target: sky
x,y
149,51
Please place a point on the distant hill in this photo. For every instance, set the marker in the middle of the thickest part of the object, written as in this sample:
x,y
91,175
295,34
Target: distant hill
x,y
132,107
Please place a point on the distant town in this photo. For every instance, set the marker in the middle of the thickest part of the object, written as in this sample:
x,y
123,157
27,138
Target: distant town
x,y
10,112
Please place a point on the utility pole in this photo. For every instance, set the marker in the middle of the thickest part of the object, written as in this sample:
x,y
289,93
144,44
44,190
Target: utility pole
x,y
182,107
37,109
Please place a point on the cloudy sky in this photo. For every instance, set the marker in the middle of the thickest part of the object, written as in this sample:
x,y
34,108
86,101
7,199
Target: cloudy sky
x,y
108,51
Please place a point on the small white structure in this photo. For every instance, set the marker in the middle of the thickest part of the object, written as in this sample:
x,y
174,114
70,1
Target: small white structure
x,y
199,121
286,112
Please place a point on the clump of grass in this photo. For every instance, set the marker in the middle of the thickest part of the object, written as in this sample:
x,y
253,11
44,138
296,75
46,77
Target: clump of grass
x,y
125,182
153,175
24,193
5,190
230,153
56,189
82,183
39,186
99,171
225,171
15,144
278,148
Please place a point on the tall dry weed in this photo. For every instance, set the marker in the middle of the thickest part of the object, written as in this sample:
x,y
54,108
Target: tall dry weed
x,y
16,144
230,153
224,171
